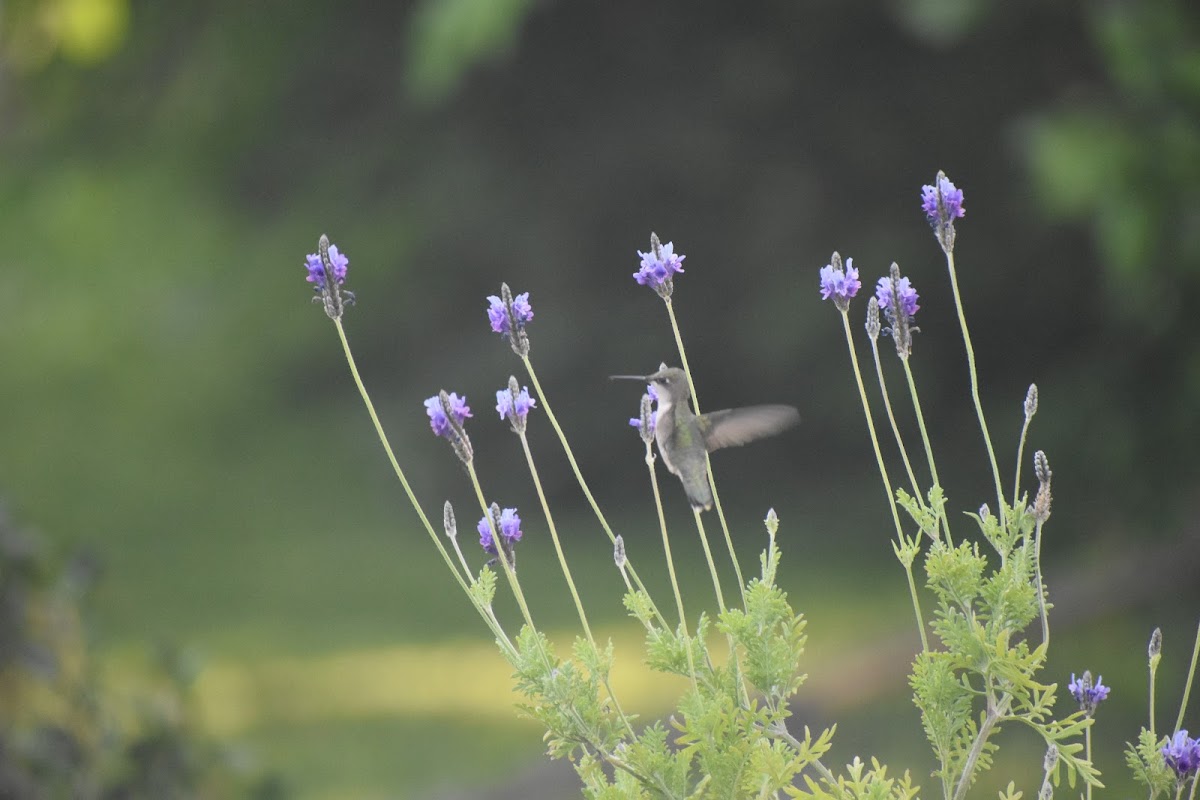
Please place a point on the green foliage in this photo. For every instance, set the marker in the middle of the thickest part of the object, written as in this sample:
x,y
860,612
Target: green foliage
x,y
1146,763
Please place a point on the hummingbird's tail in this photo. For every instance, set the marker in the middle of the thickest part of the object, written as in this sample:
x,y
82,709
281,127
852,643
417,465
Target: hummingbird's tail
x,y
698,491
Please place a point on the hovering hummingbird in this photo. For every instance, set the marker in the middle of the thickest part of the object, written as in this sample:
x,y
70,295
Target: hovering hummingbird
x,y
684,437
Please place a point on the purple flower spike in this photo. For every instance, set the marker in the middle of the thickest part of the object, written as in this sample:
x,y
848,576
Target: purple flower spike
x,y
838,284
1087,693
510,531
659,266
327,272
952,199
907,294
498,314
514,405
1182,754
438,420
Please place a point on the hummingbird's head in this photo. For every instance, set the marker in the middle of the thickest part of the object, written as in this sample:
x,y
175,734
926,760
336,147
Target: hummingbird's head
x,y
670,384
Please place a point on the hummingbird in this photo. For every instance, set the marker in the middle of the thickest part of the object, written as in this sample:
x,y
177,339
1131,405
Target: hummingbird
x,y
684,437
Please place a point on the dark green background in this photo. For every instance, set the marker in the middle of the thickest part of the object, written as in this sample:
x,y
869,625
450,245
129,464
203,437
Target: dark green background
x,y
171,397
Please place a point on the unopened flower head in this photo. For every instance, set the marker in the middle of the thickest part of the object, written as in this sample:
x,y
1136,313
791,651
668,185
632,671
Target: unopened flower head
x,y
898,300
659,267
448,522
327,272
508,316
513,403
873,325
942,203
1182,754
1154,650
1086,693
1050,759
1041,467
772,522
1031,401
619,552
507,522
447,413
839,284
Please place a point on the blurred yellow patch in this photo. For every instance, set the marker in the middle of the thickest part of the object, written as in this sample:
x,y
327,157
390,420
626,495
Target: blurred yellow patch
x,y
83,31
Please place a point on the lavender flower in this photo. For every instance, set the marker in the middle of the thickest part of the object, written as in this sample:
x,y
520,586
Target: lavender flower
x,y
1086,693
1182,754
659,267
898,300
498,315
646,415
327,272
439,421
886,295
508,316
514,404
510,530
839,284
942,203
952,199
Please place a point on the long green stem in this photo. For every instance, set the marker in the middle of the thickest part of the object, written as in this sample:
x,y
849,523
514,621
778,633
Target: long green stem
x,y
737,568
489,617
1037,557
912,390
562,438
712,567
1153,670
1087,739
994,713
1020,458
887,405
562,559
987,438
662,525
1187,689
887,483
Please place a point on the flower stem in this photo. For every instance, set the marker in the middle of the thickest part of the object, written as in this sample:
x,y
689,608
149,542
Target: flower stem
x,y
1020,458
887,484
912,390
662,524
994,712
1037,558
1153,670
887,404
562,438
737,569
1087,739
489,617
987,439
712,567
562,559
1187,689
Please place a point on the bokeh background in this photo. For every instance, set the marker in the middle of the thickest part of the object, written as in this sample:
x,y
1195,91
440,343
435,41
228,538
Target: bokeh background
x,y
213,581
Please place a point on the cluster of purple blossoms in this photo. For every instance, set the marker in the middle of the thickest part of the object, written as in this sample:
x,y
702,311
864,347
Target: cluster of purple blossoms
x,y
1087,693
438,420
904,292
659,266
515,409
1182,754
510,531
497,313
952,200
316,269
838,284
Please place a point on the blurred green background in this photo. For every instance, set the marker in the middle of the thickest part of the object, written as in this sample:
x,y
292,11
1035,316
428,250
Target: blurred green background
x,y
172,400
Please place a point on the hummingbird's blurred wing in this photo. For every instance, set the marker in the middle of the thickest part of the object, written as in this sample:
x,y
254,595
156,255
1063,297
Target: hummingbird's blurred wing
x,y
736,426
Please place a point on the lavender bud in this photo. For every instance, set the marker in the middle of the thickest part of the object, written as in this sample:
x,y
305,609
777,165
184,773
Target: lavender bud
x,y
619,552
458,434
1051,759
1047,791
646,418
448,522
772,521
873,325
1041,467
1031,401
984,511
1041,503
1155,649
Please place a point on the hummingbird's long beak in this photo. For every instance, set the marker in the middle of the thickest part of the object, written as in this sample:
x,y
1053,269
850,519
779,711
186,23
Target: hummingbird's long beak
x,y
628,377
